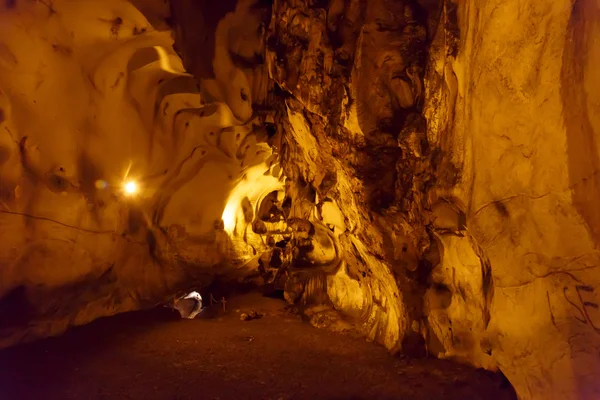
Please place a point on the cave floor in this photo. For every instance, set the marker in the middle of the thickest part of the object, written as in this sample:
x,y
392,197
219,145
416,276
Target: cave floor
x,y
156,355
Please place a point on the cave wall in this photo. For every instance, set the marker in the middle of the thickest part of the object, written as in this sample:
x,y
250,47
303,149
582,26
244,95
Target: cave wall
x,y
443,156
352,77
93,96
459,141
527,121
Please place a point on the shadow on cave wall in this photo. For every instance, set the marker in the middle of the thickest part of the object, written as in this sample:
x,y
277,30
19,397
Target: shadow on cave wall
x,y
195,24
583,164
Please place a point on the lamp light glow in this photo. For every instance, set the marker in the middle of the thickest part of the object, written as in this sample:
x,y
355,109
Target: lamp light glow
x,y
130,188
229,215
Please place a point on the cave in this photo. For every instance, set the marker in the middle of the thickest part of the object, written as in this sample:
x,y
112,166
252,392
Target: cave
x,y
292,199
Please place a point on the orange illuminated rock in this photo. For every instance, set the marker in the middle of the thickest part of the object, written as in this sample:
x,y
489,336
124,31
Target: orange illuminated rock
x,y
429,169
113,167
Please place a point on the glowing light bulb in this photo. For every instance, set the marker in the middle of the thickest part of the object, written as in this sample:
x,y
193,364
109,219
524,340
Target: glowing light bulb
x,y
130,188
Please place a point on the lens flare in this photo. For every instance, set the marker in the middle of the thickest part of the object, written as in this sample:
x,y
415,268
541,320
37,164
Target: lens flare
x,y
101,184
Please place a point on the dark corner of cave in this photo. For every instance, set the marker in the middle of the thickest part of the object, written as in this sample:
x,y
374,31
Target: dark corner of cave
x,y
299,199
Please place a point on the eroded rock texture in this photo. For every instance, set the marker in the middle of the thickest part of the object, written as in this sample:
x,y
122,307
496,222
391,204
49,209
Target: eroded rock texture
x,y
353,73
446,135
425,168
527,117
92,97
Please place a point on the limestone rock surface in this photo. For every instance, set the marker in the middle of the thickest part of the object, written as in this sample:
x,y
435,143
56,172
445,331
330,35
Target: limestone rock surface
x,y
94,101
428,169
462,143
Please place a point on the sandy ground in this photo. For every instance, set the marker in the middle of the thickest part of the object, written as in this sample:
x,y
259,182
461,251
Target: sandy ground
x,y
157,355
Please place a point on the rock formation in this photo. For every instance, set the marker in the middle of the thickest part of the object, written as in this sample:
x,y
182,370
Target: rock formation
x,y
425,168
93,98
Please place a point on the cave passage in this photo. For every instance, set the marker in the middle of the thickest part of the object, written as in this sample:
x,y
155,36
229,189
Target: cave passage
x,y
337,199
156,354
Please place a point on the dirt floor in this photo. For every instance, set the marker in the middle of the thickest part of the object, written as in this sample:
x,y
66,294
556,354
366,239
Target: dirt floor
x,y
157,355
